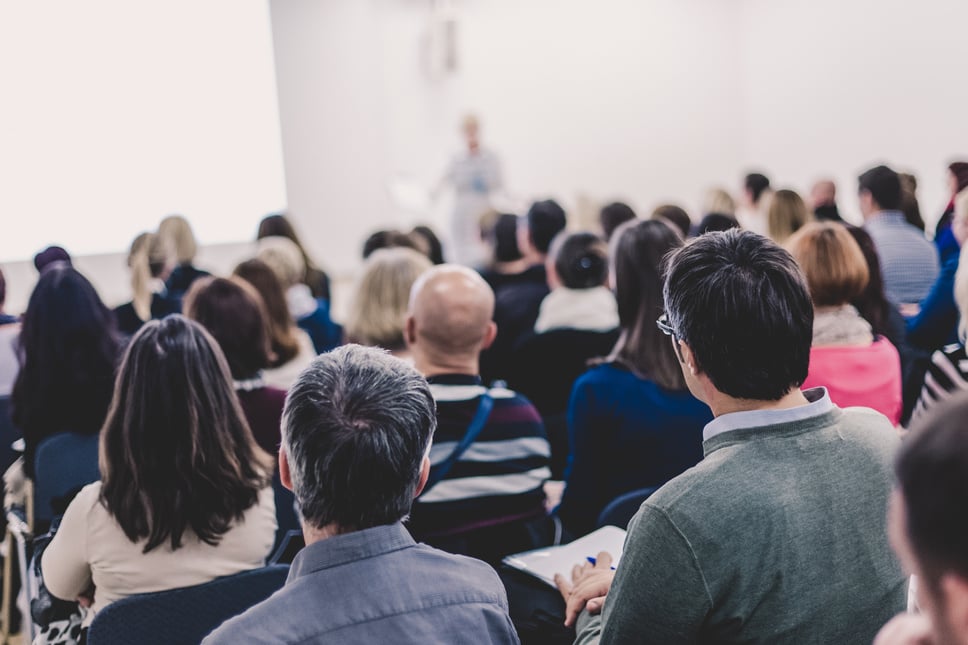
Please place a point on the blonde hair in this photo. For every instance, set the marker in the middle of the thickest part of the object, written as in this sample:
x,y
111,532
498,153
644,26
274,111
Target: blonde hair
x,y
176,234
787,215
379,310
832,261
147,259
284,257
719,201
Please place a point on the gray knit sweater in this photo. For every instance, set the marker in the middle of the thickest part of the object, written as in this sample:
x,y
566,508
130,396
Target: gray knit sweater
x,y
777,536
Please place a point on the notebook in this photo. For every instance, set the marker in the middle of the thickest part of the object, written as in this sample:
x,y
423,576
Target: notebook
x,y
545,563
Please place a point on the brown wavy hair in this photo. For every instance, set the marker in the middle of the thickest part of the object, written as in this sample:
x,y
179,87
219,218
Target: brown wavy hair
x,y
177,454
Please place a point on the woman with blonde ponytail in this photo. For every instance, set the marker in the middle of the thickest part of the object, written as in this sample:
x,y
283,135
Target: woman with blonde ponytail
x,y
149,265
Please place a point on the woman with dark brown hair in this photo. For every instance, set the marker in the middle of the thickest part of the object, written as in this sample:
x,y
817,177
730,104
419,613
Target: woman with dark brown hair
x,y
233,313
632,422
185,494
292,348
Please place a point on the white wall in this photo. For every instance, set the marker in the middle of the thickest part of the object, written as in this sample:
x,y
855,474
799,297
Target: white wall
x,y
616,98
833,87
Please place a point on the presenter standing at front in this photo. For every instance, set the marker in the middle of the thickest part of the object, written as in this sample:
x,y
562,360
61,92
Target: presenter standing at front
x,y
475,175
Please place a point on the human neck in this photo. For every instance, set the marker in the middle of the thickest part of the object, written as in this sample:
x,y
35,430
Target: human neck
x,y
721,404
313,534
443,363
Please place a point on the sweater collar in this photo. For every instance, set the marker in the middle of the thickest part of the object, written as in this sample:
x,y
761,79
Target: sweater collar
x,y
724,428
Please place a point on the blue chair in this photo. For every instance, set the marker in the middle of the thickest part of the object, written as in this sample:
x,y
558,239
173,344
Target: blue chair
x,y
63,464
184,615
620,510
286,519
8,434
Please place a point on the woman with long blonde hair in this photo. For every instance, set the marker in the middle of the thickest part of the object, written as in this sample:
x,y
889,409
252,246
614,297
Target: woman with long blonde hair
x,y
149,265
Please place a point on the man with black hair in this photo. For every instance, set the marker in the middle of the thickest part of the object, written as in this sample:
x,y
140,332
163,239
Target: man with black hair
x,y
518,298
909,262
778,535
929,528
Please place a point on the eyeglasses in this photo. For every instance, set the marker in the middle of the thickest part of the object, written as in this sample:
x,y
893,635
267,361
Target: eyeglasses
x,y
663,324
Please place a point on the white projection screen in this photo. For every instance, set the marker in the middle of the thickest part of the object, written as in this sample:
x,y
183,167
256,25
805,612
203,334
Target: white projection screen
x,y
116,113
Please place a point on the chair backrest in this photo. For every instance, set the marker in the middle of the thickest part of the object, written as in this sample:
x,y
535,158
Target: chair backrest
x,y
620,510
8,434
286,518
184,615
64,463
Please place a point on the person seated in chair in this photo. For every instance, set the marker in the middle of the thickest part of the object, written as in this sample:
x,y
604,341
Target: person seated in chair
x,y
484,500
356,436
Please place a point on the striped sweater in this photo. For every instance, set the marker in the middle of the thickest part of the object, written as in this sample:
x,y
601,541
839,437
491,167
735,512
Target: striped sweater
x,y
499,479
947,374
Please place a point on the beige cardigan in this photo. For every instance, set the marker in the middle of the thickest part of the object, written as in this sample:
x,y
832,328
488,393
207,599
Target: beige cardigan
x,y
91,547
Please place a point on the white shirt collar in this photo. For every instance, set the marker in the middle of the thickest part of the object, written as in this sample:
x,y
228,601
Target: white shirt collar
x,y
819,403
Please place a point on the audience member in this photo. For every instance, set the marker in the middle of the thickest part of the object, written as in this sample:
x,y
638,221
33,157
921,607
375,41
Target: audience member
x,y
184,496
278,225
632,423
179,241
292,348
149,268
936,323
676,216
718,200
943,238
429,243
909,200
929,530
356,434
947,371
614,215
311,314
489,459
518,299
507,262
232,311
779,534
378,311
908,260
578,321
69,349
823,199
387,239
786,215
716,222
856,367
9,335
51,256
755,203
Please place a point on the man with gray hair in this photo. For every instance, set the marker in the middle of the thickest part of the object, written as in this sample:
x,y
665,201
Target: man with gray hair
x,y
356,434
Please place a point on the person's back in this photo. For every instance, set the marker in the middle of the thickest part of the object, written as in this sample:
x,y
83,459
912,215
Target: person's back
x,y
786,557
908,260
399,592
867,376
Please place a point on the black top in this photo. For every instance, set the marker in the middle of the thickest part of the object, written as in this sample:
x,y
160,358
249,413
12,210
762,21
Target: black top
x,y
128,321
517,300
181,279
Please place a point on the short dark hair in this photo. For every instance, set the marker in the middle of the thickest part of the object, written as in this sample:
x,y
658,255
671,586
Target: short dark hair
x,y
757,183
356,427
932,475
676,216
581,260
505,238
545,220
716,222
3,289
387,239
884,185
233,313
614,215
742,305
177,454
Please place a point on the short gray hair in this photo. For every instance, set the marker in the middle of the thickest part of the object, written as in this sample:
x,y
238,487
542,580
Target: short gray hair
x,y
356,427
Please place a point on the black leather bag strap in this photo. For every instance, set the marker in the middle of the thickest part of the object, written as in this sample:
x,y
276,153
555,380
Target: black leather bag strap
x,y
477,424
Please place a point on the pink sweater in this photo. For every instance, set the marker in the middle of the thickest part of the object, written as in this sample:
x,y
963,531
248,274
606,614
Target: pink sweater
x,y
859,376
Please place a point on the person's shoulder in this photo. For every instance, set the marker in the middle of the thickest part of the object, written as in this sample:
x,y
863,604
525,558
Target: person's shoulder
x,y
461,573
88,498
865,426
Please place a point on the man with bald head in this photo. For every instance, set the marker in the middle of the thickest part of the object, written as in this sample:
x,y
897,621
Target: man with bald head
x,y
490,455
823,196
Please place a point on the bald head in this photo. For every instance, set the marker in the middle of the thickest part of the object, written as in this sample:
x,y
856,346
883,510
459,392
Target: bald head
x,y
823,192
450,312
